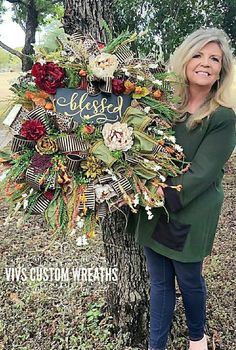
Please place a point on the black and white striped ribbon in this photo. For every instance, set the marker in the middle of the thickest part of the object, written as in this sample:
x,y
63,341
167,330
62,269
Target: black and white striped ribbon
x,y
70,143
159,149
123,54
104,179
102,210
41,205
131,159
106,85
77,37
40,114
18,142
90,198
32,178
73,162
121,185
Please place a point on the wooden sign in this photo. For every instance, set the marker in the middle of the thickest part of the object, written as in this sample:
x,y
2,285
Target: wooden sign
x,y
84,108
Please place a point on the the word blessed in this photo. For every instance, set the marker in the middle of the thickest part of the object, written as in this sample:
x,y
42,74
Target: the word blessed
x,y
84,108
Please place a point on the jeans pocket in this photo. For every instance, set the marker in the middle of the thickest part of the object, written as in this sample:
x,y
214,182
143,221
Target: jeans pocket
x,y
171,234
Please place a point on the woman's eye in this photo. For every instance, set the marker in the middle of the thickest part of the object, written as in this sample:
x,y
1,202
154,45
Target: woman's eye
x,y
215,59
197,56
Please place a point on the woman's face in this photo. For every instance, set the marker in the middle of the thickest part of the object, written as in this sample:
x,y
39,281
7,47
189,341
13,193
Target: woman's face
x,y
204,67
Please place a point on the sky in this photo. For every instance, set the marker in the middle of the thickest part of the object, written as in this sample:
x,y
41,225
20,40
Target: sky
x,y
10,33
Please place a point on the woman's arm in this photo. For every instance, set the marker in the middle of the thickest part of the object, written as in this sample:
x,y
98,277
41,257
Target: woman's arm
x,y
211,156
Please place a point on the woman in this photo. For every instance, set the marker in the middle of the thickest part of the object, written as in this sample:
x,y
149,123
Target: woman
x,y
175,246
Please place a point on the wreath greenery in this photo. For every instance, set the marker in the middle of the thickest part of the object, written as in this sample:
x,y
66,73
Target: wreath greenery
x,y
77,172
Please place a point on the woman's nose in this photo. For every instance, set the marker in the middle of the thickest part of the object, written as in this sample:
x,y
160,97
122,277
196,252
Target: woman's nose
x,y
205,61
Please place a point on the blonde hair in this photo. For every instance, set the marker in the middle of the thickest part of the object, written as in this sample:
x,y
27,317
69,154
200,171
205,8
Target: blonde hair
x,y
220,93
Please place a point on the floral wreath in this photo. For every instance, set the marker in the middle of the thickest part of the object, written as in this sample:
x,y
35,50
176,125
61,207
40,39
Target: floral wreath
x,y
77,173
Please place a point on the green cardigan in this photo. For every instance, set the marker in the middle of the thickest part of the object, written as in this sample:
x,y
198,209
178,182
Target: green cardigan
x,y
187,234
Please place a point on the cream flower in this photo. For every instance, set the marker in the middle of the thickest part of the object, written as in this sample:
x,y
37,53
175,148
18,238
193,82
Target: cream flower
x,y
117,136
103,192
104,65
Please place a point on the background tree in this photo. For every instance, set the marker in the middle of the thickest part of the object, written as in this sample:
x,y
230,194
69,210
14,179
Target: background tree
x,y
168,22
29,14
87,16
126,300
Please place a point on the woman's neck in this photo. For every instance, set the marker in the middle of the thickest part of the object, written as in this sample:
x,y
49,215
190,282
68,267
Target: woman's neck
x,y
197,96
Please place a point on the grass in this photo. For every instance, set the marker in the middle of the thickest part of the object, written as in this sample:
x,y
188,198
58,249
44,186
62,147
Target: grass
x,y
5,81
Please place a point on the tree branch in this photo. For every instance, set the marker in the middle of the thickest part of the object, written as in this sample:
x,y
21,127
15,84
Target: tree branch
x,y
12,51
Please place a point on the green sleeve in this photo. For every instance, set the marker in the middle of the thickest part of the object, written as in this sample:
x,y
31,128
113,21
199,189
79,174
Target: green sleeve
x,y
211,156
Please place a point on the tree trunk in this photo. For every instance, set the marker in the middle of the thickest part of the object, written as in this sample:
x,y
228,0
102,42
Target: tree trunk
x,y
128,299
87,16
30,30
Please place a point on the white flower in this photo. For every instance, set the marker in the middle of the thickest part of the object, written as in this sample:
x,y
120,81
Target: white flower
x,y
150,216
157,82
162,178
156,168
172,139
136,200
159,204
117,136
146,197
160,132
103,192
139,77
125,70
81,241
79,222
42,61
32,83
147,109
25,203
178,148
147,208
104,65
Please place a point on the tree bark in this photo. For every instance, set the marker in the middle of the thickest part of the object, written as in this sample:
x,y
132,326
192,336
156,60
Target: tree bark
x,y
127,300
30,31
87,16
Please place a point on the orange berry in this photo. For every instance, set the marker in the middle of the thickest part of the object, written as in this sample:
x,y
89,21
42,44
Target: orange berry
x,y
138,90
157,94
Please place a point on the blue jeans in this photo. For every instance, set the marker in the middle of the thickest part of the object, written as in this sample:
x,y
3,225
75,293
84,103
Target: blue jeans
x,y
162,272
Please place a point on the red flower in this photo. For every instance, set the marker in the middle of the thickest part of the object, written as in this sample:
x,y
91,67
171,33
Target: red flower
x,y
49,195
118,86
101,45
48,76
32,129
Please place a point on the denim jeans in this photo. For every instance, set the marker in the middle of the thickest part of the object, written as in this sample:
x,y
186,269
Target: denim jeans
x,y
162,272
